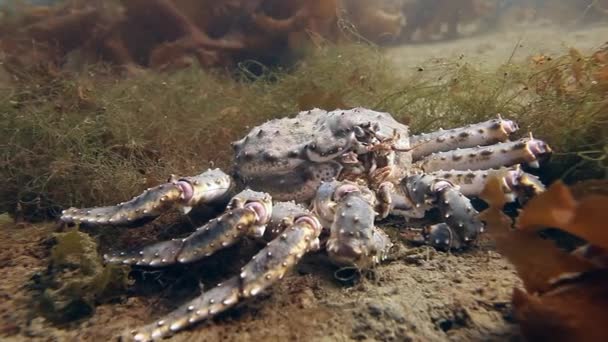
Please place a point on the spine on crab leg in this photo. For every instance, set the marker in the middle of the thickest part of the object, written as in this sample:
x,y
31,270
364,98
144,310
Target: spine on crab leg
x,y
265,268
483,133
516,182
460,224
526,150
248,214
183,193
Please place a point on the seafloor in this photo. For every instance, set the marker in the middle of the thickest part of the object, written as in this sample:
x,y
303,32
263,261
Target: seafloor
x,y
418,294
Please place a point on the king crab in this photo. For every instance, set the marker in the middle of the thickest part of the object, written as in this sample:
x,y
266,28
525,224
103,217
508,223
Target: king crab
x,y
323,172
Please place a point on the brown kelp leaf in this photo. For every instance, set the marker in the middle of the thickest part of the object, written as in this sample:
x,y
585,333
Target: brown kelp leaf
x,y
591,221
573,311
536,261
557,208
493,193
553,208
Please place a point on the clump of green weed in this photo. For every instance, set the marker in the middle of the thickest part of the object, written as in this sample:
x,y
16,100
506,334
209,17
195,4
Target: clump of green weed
x,y
91,138
77,280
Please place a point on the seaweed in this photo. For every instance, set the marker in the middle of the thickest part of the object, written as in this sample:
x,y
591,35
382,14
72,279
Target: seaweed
x,y
565,293
76,279
88,138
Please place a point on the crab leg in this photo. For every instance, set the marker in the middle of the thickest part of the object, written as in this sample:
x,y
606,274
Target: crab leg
x,y
183,193
456,210
483,133
526,150
472,182
248,213
349,211
265,268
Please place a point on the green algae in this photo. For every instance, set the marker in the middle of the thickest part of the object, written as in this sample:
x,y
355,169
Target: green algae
x,y
77,280
92,138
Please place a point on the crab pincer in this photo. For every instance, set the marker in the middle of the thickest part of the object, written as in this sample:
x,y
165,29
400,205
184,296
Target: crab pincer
x,y
349,210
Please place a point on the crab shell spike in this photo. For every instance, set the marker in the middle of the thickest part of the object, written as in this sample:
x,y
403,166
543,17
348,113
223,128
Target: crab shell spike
x,y
484,133
525,150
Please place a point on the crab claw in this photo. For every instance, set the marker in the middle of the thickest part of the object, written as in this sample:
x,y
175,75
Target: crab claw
x,y
354,240
460,225
523,185
183,193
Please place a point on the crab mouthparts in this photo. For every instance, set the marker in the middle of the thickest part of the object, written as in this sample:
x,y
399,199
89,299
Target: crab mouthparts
x,y
187,190
259,210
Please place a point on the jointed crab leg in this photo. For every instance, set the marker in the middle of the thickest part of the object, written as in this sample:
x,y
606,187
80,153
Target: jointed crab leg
x,y
266,267
456,210
526,150
183,193
483,133
349,210
247,214
472,182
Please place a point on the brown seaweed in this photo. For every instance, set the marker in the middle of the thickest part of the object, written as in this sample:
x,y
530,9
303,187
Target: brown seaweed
x,y
566,294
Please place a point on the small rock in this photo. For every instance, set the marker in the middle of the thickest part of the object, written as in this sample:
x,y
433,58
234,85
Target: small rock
x,y
375,309
394,314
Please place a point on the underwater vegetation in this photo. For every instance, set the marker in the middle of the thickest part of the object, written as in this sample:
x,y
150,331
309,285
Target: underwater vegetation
x,y
565,293
76,279
88,137
73,131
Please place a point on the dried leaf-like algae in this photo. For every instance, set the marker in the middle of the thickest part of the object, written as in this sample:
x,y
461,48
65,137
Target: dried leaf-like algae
x,y
566,297
537,261
570,312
